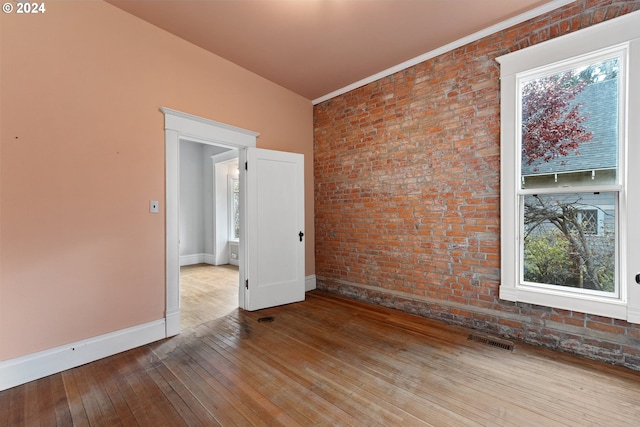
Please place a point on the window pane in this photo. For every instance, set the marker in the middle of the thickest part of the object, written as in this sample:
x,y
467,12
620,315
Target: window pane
x,y
570,240
570,127
236,209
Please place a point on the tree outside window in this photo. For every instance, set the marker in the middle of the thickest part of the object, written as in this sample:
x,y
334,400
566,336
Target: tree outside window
x,y
569,147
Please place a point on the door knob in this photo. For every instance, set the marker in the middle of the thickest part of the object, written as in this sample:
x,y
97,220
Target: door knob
x,y
302,234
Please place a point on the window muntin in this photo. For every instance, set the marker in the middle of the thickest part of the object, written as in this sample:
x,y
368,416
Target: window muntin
x,y
569,119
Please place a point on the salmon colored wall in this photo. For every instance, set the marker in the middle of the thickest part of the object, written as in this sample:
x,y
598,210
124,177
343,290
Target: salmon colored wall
x,y
82,153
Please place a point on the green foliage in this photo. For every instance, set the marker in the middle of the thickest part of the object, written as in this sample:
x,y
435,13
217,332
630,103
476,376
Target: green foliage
x,y
550,258
546,258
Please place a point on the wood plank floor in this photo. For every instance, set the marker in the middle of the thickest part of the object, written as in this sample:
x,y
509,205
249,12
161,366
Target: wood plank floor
x,y
207,292
328,361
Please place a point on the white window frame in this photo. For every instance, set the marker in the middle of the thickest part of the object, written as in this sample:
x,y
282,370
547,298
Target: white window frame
x,y
230,192
623,31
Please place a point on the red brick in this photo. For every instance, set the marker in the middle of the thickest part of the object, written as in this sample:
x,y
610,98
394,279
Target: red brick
x,y
606,328
407,179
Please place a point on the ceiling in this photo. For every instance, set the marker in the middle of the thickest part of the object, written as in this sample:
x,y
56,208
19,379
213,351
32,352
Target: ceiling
x,y
318,47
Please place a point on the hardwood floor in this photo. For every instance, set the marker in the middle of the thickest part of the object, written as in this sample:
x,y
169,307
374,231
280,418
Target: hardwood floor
x,y
328,361
207,292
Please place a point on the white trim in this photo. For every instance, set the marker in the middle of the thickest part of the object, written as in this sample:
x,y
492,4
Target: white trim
x,y
172,236
197,259
615,33
181,126
31,367
191,259
310,283
630,265
563,300
448,47
207,131
220,165
226,157
172,319
209,259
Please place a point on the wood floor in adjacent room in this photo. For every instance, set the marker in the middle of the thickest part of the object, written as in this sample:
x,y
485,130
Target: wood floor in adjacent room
x,y
328,361
207,292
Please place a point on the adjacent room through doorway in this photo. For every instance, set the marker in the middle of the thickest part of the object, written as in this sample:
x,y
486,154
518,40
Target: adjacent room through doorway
x,y
209,231
207,292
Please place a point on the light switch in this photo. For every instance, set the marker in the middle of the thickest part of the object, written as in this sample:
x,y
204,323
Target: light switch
x,y
153,206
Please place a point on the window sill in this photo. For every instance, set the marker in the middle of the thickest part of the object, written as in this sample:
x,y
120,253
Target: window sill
x,y
600,306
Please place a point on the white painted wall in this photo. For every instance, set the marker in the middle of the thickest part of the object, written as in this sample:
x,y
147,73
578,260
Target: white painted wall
x,y
196,202
191,199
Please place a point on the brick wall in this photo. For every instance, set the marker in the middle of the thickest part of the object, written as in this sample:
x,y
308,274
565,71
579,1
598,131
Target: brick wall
x,y
407,194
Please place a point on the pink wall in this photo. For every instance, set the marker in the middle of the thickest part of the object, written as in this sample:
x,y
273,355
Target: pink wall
x,y
82,153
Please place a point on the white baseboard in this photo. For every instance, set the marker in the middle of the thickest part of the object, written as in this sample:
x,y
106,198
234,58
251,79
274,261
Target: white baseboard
x,y
31,367
191,259
310,283
173,323
197,259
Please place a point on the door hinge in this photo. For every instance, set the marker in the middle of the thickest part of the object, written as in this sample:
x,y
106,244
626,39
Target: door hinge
x,y
246,283
246,166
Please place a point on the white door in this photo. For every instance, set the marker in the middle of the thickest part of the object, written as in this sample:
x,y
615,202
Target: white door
x,y
274,228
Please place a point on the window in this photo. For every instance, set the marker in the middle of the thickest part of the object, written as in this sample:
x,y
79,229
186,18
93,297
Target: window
x,y
588,219
234,214
565,153
561,245
569,120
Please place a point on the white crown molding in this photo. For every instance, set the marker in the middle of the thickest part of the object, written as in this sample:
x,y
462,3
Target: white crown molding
x,y
448,47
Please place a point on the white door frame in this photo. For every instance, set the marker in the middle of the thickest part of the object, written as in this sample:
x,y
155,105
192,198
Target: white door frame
x,y
178,127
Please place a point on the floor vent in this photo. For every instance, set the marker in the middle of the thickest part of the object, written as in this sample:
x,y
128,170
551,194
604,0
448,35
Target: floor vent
x,y
492,341
267,319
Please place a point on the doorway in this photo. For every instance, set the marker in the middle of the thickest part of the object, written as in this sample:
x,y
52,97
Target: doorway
x,y
209,231
271,213
185,127
207,292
